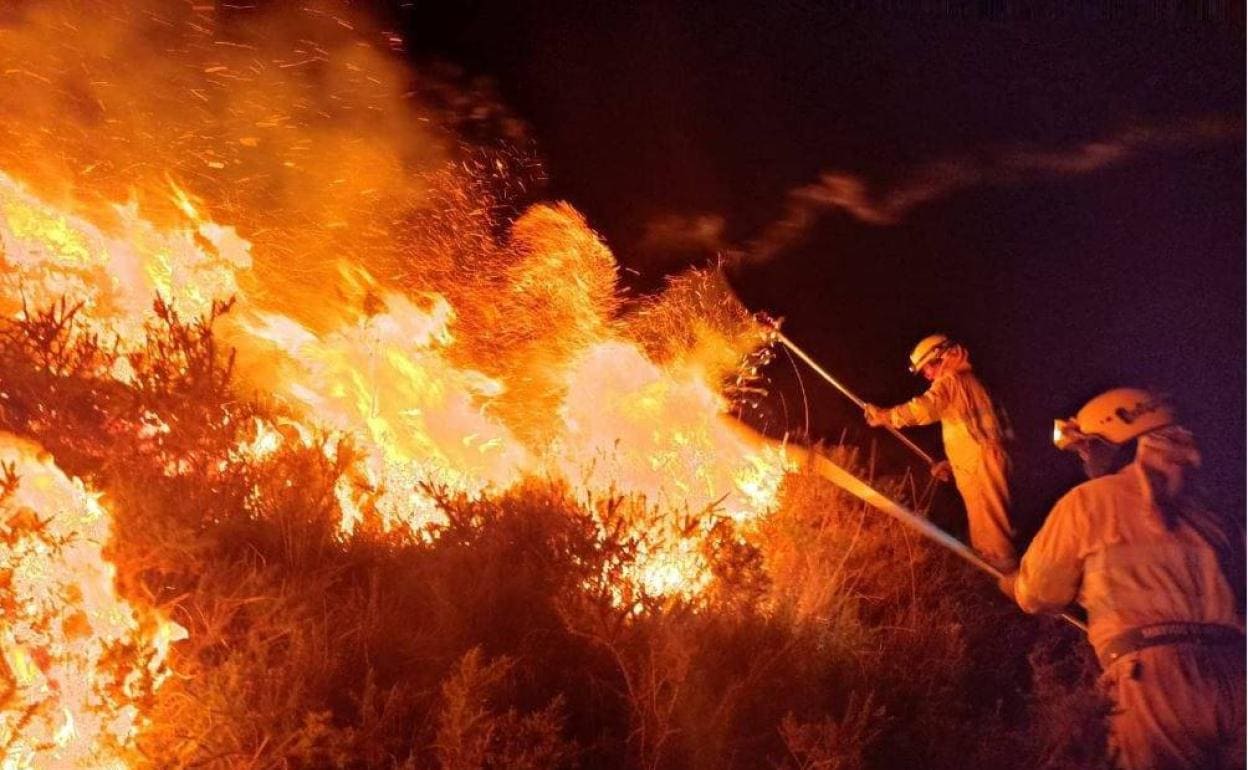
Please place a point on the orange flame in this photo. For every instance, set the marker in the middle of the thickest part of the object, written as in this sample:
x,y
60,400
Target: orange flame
x,y
444,354
73,703
386,373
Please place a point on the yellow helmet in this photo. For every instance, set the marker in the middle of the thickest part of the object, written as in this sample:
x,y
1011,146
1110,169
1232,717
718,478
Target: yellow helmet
x,y
928,348
1116,416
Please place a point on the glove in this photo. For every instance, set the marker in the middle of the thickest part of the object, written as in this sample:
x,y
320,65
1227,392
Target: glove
x,y
875,416
942,471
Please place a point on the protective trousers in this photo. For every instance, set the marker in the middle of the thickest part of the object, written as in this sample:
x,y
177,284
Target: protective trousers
x,y
1177,707
981,474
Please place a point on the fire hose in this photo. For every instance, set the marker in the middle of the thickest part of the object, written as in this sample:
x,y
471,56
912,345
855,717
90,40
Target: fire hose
x,y
860,489
833,472
792,346
813,364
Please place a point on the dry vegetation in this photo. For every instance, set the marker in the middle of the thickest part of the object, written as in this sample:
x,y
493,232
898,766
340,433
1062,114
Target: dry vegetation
x,y
834,640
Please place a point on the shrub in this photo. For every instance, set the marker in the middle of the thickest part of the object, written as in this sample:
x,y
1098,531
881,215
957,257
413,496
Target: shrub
x,y
831,637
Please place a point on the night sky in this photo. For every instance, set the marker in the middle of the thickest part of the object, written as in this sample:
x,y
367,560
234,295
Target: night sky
x,y
1061,285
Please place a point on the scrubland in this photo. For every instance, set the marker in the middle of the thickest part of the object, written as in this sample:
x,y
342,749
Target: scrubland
x,y
509,637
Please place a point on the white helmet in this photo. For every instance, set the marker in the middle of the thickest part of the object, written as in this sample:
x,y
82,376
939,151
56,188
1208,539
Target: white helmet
x,y
1116,416
927,350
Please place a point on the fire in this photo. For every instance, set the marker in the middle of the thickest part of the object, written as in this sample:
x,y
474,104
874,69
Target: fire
x,y
389,376
71,700
659,433
382,299
49,254
383,380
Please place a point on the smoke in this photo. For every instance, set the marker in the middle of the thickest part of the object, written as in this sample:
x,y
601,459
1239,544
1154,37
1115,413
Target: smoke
x,y
1002,166
672,236
301,124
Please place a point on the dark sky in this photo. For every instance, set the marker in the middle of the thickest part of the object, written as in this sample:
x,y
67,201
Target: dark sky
x,y
1133,274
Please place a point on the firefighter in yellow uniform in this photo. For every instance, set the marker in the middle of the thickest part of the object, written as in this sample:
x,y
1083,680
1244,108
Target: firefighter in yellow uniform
x,y
974,436
1158,573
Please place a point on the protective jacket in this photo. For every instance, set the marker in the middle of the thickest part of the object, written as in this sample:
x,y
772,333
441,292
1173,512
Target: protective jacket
x,y
974,437
1158,574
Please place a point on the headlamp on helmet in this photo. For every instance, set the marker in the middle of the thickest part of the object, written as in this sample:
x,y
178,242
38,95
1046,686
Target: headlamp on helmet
x,y
1066,434
929,349
1116,417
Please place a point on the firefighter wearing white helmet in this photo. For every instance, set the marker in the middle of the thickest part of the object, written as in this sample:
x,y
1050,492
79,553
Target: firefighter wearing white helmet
x,y
974,436
1158,573
927,350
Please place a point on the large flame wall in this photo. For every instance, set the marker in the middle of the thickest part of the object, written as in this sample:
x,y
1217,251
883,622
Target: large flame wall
x,y
388,289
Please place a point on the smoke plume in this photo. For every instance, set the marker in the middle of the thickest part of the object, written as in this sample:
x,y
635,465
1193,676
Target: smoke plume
x,y
1002,166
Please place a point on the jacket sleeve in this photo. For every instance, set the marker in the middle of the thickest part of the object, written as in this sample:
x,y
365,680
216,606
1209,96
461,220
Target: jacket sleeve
x,y
1051,571
925,409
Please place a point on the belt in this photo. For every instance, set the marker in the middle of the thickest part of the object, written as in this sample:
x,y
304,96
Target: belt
x,y
1168,633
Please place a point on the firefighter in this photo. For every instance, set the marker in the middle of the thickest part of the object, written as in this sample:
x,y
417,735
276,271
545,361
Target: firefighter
x,y
1158,573
974,435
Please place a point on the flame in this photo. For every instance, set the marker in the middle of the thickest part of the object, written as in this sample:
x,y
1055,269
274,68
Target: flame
x,y
384,381
73,703
390,376
659,433
66,732
381,303
49,254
